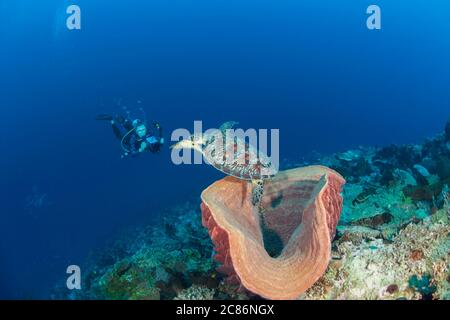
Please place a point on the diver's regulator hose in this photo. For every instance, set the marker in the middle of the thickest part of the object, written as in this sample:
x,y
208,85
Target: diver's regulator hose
x,y
123,138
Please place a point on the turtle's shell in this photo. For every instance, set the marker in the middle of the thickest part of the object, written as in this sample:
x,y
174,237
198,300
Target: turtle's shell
x,y
238,159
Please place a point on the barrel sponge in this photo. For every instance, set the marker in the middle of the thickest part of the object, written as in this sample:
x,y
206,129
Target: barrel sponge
x,y
301,208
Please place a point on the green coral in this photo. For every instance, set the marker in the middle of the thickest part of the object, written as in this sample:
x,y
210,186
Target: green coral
x,y
382,200
127,280
422,284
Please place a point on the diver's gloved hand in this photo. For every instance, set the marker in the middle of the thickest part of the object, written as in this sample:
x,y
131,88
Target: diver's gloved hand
x,y
143,146
156,125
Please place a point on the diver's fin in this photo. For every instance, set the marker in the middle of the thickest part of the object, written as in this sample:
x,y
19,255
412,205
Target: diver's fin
x,y
105,117
257,192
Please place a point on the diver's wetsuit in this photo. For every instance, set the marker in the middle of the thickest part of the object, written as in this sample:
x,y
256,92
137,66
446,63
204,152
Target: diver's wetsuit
x,y
131,142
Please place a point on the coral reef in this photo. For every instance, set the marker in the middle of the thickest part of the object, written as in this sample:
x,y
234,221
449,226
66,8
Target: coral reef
x,y
196,293
158,261
392,240
375,269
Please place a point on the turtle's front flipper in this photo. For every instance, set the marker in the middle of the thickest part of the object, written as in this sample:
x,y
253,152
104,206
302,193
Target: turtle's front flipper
x,y
257,192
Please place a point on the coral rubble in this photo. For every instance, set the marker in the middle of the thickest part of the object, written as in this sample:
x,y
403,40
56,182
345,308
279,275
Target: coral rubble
x,y
376,269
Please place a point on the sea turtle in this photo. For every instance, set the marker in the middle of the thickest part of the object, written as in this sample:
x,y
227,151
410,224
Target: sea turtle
x,y
234,157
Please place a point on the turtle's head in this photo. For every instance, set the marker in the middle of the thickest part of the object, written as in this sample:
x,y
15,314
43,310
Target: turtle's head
x,y
195,142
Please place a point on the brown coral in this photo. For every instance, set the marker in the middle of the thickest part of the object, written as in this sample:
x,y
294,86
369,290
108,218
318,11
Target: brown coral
x,y
302,207
417,255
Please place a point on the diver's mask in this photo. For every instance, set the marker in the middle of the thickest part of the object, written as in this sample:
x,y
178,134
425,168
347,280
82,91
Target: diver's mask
x,y
141,130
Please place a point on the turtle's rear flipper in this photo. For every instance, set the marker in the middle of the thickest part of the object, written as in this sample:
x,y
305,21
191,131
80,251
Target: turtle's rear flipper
x,y
257,192
105,117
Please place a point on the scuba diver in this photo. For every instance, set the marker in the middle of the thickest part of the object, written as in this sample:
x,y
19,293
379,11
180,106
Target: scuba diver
x,y
134,134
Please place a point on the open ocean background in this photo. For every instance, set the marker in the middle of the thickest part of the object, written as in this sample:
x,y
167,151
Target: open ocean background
x,y
310,68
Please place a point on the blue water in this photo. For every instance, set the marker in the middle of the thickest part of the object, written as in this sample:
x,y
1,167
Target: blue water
x,y
310,68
